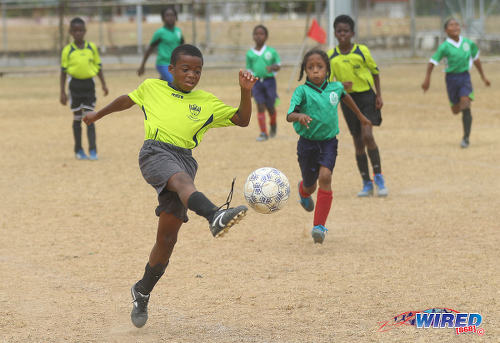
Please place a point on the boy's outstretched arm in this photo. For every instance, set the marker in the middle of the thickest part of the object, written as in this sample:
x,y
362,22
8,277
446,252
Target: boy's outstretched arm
x,y
479,68
242,116
302,118
347,99
121,103
427,80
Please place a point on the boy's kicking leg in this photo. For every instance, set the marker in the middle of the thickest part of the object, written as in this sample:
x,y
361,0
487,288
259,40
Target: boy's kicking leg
x,y
272,114
261,116
464,107
166,237
220,220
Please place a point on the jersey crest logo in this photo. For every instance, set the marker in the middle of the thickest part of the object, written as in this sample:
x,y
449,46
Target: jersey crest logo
x,y
194,109
334,98
268,55
466,46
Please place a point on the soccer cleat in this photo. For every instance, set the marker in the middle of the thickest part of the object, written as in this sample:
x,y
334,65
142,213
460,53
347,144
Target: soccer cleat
x,y
139,314
307,203
272,132
80,155
93,155
318,233
224,219
379,181
465,143
367,190
262,137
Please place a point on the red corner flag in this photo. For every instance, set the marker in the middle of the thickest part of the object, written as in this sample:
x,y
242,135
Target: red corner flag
x,y
317,33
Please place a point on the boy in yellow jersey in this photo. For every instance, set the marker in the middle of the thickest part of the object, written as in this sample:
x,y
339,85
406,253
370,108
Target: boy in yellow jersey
x,y
175,120
81,61
353,65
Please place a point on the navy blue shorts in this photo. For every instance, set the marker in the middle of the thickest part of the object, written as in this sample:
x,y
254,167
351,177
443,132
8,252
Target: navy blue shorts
x,y
264,92
459,85
312,155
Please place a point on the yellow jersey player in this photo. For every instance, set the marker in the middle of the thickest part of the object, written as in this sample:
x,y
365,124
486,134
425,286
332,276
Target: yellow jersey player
x,y
175,119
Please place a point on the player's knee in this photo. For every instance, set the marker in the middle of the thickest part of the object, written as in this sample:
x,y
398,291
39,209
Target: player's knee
x,y
325,180
167,240
77,116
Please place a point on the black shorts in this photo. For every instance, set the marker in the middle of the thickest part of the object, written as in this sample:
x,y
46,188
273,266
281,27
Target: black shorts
x,y
159,161
82,94
312,155
366,101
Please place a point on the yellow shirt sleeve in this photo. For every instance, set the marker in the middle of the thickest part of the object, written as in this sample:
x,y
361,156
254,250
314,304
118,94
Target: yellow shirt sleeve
x,y
64,58
97,57
370,62
137,95
222,113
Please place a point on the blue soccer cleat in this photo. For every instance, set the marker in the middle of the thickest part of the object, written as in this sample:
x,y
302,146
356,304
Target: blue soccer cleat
x,y
307,203
367,190
318,233
382,189
81,155
93,155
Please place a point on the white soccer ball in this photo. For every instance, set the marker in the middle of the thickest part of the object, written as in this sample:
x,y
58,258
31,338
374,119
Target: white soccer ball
x,y
267,190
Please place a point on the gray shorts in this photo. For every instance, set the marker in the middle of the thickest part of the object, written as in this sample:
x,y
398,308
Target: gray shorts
x,y
158,162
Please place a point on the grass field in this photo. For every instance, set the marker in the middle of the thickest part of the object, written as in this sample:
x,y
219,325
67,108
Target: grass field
x,y
76,235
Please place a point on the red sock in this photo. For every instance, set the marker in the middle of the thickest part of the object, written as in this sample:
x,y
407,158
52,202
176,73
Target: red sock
x,y
261,116
323,205
302,192
273,118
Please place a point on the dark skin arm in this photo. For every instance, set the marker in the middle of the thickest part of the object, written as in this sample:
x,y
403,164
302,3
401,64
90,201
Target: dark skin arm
x,y
479,67
304,119
100,75
123,102
427,81
63,98
242,116
273,68
378,100
148,52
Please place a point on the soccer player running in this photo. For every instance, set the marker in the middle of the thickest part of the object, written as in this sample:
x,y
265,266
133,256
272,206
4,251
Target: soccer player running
x,y
313,111
353,65
460,53
264,62
175,119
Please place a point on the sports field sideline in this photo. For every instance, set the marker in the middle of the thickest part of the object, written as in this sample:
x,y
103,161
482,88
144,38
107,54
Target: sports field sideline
x,y
75,234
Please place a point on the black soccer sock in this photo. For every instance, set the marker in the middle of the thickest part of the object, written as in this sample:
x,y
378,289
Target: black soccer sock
x,y
91,136
150,278
77,134
375,160
362,161
467,121
200,204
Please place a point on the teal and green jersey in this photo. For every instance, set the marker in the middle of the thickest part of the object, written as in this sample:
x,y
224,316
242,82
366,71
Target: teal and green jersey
x,y
179,118
319,103
258,60
166,40
459,55
357,66
82,63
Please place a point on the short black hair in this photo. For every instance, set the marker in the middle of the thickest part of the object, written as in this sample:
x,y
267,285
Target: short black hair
x,y
168,8
261,27
448,21
311,52
76,21
185,49
344,19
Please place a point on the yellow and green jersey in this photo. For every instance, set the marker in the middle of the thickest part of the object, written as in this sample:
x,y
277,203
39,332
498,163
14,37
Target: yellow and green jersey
x,y
357,66
257,61
459,55
179,118
82,63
